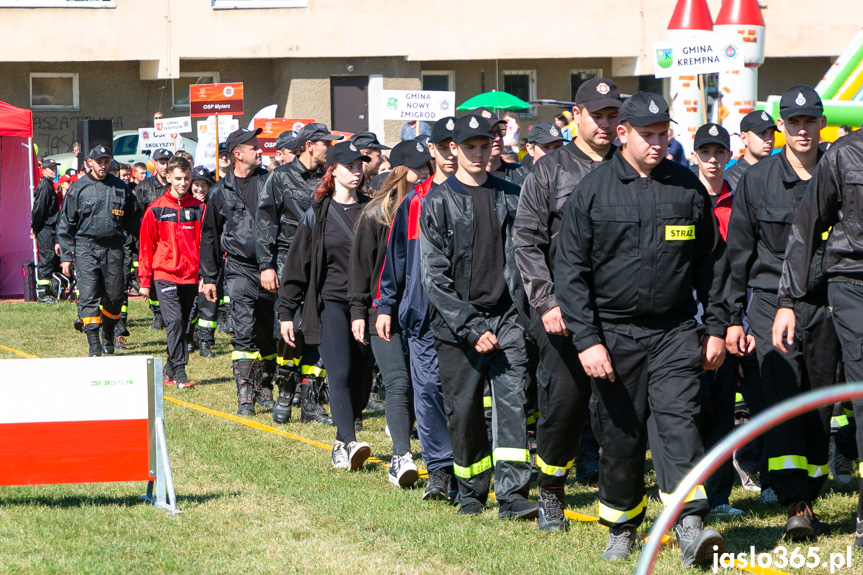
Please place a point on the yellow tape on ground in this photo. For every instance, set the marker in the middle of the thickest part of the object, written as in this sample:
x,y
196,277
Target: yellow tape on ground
x,y
422,472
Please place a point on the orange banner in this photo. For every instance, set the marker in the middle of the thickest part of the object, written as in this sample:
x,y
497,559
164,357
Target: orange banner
x,y
272,127
216,99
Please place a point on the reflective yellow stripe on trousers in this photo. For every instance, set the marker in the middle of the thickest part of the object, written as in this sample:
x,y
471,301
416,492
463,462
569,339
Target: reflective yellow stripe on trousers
x,y
694,495
616,516
235,355
480,466
796,462
511,454
553,470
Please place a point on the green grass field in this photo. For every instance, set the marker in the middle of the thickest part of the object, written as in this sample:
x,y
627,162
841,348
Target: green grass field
x,y
257,502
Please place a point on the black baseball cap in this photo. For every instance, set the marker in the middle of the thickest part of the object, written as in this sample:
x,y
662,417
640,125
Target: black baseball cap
x,y
49,164
162,154
410,153
471,126
99,152
800,100
544,133
757,121
598,93
490,116
288,140
442,130
240,136
712,134
314,132
645,108
367,141
202,173
223,149
345,153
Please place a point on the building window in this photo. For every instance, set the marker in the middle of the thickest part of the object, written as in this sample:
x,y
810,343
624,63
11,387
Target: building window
x,y
250,4
180,87
58,4
579,77
438,81
53,91
521,83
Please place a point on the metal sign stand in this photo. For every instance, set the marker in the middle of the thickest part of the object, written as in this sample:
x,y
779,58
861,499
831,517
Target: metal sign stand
x,y
160,491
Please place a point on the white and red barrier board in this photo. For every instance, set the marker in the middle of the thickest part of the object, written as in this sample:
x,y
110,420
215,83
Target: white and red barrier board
x,y
74,420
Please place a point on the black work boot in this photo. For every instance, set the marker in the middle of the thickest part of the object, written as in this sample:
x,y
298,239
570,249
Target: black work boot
x,y
95,341
242,369
158,323
108,338
310,409
551,506
206,337
697,543
264,371
205,350
286,378
803,524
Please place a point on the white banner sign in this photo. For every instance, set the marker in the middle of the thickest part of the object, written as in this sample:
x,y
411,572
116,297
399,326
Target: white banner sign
x,y
709,55
417,105
150,139
174,125
205,152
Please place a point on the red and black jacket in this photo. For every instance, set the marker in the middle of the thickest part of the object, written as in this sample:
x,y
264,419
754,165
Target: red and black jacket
x,y
170,240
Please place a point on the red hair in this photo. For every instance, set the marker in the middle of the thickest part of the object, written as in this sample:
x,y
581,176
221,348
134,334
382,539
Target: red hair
x,y
328,183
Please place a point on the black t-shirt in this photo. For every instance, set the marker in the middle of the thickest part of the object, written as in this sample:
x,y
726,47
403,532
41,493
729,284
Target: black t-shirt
x,y
337,251
487,283
249,189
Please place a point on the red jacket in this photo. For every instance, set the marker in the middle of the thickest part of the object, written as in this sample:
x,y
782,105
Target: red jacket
x,y
170,240
722,209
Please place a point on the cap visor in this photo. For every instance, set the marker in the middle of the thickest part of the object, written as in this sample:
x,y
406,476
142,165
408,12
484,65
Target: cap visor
x,y
794,112
328,137
600,103
648,120
545,140
418,161
702,143
466,137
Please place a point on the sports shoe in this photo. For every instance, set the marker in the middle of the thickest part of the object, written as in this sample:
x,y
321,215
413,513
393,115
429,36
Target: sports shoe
x,y
437,488
471,508
551,505
120,343
340,456
841,468
697,543
725,510
403,472
518,509
621,540
358,452
803,524
768,496
168,374
205,350
858,534
158,323
181,379
748,476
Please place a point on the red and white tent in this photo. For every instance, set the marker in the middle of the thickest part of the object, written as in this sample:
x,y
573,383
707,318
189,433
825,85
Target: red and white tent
x,y
16,191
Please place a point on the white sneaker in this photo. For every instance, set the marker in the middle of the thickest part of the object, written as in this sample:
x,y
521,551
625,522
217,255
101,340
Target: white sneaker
x,y
340,456
403,471
768,496
725,510
358,452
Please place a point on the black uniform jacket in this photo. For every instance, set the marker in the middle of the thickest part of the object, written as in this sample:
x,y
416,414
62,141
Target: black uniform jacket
x,y
46,207
446,251
734,173
149,191
99,210
765,203
302,275
284,199
833,198
229,227
632,249
540,209
511,172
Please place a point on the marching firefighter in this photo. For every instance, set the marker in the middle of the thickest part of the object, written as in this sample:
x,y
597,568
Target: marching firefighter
x,y
46,210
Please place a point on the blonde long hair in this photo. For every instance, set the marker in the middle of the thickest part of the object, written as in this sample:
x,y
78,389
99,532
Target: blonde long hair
x,y
384,204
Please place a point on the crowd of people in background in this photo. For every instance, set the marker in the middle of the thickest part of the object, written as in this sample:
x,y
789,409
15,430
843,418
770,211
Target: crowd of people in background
x,y
530,304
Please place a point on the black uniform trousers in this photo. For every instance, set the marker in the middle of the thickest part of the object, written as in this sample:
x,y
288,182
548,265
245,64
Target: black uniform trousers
x,y
797,450
49,262
101,284
563,394
716,420
655,394
463,371
178,307
252,312
846,299
207,312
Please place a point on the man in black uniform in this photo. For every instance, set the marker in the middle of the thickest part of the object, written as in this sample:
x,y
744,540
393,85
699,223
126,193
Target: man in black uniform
x,y
288,146
472,282
637,237
765,204
564,388
757,134
284,199
229,228
368,144
98,211
498,167
146,193
831,206
43,226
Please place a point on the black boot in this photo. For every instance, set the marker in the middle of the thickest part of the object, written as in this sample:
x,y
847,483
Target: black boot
x,y
206,337
205,350
108,338
158,323
242,369
264,372
310,409
95,342
286,378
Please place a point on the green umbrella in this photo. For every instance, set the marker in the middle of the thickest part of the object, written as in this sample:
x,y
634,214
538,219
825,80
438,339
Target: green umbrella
x,y
495,101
